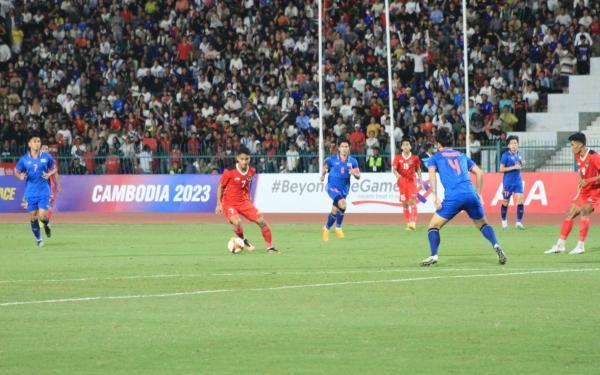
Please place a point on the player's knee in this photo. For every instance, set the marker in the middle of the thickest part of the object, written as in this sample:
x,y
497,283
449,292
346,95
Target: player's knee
x,y
342,205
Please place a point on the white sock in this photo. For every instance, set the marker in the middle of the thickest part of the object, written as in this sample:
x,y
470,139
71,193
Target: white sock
x,y
581,244
560,243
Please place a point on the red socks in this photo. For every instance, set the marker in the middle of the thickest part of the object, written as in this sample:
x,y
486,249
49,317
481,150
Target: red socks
x,y
567,225
413,214
266,233
239,231
584,227
407,214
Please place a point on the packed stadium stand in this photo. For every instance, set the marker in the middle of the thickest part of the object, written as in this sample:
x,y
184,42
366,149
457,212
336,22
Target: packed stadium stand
x,y
177,86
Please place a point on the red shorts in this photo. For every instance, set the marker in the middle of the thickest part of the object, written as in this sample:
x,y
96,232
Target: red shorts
x,y
408,189
587,197
246,209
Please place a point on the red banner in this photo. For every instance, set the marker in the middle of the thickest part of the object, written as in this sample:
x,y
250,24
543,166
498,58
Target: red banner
x,y
542,193
7,169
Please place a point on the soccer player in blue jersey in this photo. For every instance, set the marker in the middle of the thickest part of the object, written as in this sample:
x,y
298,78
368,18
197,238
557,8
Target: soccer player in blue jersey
x,y
512,183
340,167
36,168
459,194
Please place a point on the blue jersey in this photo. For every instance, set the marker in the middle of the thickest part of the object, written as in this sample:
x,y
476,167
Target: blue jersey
x,y
513,177
453,168
36,185
339,171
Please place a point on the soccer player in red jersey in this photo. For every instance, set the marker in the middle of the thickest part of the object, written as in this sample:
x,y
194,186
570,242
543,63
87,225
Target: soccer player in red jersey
x,y
587,198
233,198
406,167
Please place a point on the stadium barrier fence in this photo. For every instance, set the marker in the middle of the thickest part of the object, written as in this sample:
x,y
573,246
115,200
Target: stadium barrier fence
x,y
273,193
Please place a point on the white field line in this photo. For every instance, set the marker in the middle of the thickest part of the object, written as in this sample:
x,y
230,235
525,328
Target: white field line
x,y
284,287
255,273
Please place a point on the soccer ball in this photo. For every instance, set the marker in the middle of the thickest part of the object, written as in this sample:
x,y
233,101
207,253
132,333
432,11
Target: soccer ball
x,y
235,245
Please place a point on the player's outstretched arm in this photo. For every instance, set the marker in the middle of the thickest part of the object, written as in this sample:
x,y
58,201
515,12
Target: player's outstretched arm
x,y
478,177
504,168
433,185
50,173
57,182
355,172
219,208
325,171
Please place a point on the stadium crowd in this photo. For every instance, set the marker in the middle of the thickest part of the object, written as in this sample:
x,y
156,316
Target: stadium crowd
x,y
177,86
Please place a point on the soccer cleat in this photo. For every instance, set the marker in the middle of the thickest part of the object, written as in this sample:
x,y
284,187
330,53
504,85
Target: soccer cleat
x,y
577,250
413,226
48,231
504,225
325,235
555,250
501,255
339,233
248,246
429,261
272,251
408,228
40,243
520,226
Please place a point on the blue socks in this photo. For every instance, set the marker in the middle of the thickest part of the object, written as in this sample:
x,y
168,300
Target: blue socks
x,y
520,212
503,211
488,233
35,228
339,218
434,240
330,221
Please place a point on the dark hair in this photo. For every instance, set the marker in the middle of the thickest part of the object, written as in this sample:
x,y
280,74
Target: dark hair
x,y
33,135
577,137
406,140
342,140
244,150
444,137
512,138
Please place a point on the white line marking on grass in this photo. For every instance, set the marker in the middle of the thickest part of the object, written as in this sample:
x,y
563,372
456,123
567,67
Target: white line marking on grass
x,y
283,287
255,273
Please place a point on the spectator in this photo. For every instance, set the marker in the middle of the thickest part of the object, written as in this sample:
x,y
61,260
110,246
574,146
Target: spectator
x,y
375,161
292,159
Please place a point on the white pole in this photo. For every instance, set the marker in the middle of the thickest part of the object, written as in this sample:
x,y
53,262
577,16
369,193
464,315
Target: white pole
x,y
390,90
321,97
466,73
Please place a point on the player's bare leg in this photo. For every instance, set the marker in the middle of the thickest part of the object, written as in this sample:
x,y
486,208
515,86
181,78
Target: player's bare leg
x,y
413,214
433,234
488,232
265,229
406,211
43,218
565,230
520,211
341,205
238,229
584,227
35,228
330,221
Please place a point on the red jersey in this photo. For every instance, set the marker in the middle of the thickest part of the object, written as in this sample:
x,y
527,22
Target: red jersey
x,y
589,167
407,167
236,186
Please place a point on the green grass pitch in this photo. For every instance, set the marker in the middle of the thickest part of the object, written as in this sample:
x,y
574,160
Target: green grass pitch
x,y
142,299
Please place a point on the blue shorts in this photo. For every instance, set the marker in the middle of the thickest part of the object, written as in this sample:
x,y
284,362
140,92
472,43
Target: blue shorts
x,y
509,190
336,193
38,203
453,205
